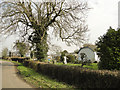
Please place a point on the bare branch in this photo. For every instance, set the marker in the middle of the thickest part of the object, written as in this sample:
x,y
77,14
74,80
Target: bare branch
x,y
67,19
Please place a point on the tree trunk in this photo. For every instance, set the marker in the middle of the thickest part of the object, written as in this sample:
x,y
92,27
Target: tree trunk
x,y
41,46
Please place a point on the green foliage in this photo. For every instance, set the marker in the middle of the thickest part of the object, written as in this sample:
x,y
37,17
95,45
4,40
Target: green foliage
x,y
21,47
57,58
109,50
70,58
4,53
41,51
20,59
40,44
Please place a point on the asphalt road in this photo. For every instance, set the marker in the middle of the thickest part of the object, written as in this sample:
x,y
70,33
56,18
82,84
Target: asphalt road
x,y
9,77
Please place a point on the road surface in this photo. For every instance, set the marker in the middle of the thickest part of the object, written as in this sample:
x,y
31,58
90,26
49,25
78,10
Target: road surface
x,y
9,77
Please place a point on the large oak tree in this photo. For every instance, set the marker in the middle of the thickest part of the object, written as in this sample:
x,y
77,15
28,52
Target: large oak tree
x,y
32,20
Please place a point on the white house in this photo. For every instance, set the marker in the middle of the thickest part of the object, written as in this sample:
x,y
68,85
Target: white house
x,y
89,54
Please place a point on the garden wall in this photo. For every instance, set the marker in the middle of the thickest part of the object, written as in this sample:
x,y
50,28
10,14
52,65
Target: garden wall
x,y
77,76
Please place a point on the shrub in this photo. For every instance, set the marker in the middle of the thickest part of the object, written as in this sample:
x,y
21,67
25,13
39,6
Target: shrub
x,y
57,58
70,58
109,50
26,63
33,64
20,59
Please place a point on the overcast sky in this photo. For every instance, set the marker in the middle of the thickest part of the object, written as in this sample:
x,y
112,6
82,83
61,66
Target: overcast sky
x,y
104,13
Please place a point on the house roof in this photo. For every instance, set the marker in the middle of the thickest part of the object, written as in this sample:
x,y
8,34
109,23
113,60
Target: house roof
x,y
83,48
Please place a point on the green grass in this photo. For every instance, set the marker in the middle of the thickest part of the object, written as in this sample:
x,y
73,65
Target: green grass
x,y
39,80
17,63
93,66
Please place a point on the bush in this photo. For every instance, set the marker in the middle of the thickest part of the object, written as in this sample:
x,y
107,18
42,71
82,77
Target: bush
x,y
109,50
70,58
57,58
20,59
79,77
33,64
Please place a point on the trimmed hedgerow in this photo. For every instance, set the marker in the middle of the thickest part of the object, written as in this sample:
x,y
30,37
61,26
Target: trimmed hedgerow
x,y
19,59
77,76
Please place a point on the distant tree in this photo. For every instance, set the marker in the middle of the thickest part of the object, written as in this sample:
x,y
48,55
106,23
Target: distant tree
x,y
108,49
4,53
21,47
57,58
76,51
65,51
70,58
55,49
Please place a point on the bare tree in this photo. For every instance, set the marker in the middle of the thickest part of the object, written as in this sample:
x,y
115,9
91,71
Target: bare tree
x,y
55,49
4,53
33,19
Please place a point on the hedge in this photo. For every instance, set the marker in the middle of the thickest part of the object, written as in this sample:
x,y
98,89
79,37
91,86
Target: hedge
x,y
77,76
19,59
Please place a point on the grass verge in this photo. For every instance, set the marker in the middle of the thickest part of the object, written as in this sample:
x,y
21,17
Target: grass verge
x,y
39,80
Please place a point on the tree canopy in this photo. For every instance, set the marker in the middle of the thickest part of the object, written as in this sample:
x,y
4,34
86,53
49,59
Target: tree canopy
x,y
33,19
108,49
21,47
4,53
